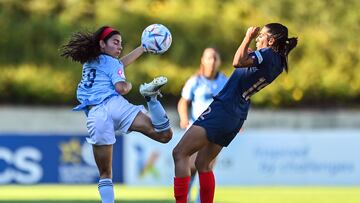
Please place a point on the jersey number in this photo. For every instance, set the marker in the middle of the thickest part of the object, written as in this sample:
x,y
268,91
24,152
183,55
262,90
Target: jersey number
x,y
206,112
261,83
90,78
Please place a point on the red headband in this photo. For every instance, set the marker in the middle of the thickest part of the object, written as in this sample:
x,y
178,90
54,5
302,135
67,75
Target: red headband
x,y
105,33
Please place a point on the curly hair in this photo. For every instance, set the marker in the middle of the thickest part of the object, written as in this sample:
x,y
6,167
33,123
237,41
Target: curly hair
x,y
84,46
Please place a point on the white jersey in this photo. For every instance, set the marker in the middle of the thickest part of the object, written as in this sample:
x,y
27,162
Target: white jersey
x,y
98,79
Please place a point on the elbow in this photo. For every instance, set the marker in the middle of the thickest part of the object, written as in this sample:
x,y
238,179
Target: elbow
x,y
236,64
122,91
123,88
242,62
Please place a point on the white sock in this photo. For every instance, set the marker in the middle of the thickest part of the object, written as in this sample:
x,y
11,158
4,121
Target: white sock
x,y
158,115
106,190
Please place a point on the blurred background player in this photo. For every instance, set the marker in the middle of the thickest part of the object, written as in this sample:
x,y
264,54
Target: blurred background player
x,y
100,93
217,126
198,93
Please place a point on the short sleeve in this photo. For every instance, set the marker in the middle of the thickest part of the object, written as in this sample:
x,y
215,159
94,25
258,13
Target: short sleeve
x,y
188,89
116,70
261,56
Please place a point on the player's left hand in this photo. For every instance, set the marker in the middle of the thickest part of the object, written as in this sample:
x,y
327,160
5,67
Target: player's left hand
x,y
252,32
144,48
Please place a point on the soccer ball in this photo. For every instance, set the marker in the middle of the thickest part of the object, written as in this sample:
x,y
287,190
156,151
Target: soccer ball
x,y
156,38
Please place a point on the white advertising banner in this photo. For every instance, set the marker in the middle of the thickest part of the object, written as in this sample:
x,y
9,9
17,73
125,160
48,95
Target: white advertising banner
x,y
257,157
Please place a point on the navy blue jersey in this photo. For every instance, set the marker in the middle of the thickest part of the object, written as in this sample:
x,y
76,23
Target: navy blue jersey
x,y
245,82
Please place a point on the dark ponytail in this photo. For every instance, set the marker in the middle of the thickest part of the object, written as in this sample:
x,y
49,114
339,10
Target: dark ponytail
x,y
84,46
282,44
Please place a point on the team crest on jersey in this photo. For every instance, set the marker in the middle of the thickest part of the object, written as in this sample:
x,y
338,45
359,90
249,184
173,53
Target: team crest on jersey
x,y
121,72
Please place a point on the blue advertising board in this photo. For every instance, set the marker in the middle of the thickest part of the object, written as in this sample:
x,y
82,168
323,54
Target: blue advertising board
x,y
31,159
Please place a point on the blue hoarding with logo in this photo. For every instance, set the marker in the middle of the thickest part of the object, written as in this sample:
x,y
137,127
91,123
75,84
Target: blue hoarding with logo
x,y
30,159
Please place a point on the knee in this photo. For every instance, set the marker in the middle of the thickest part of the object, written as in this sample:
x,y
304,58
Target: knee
x,y
176,153
166,136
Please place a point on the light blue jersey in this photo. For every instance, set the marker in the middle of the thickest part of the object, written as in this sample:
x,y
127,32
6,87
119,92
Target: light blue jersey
x,y
200,91
98,80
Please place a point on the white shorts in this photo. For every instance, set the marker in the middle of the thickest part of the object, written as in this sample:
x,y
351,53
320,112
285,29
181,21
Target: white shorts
x,y
113,114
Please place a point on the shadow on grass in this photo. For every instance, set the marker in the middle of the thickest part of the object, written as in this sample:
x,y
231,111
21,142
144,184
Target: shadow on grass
x,y
83,201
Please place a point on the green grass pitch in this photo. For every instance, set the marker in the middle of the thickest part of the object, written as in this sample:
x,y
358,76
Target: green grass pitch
x,y
130,194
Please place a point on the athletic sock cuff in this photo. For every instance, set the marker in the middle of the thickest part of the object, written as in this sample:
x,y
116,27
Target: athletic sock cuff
x,y
105,183
181,181
162,127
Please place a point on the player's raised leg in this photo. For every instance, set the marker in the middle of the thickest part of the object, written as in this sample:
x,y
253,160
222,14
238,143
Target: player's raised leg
x,y
156,127
157,112
142,123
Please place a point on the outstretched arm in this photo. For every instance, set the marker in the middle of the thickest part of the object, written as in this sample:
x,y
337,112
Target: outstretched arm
x,y
242,58
132,56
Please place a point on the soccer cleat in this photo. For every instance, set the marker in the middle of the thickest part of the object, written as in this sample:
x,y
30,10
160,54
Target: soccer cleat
x,y
153,88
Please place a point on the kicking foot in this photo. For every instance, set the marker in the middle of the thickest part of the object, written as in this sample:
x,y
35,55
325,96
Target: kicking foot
x,y
153,88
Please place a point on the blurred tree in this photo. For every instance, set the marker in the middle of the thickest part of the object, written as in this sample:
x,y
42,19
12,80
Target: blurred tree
x,y
323,68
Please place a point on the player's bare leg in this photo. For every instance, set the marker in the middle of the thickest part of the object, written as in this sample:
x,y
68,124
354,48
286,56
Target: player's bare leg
x,y
156,127
193,140
103,159
142,123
